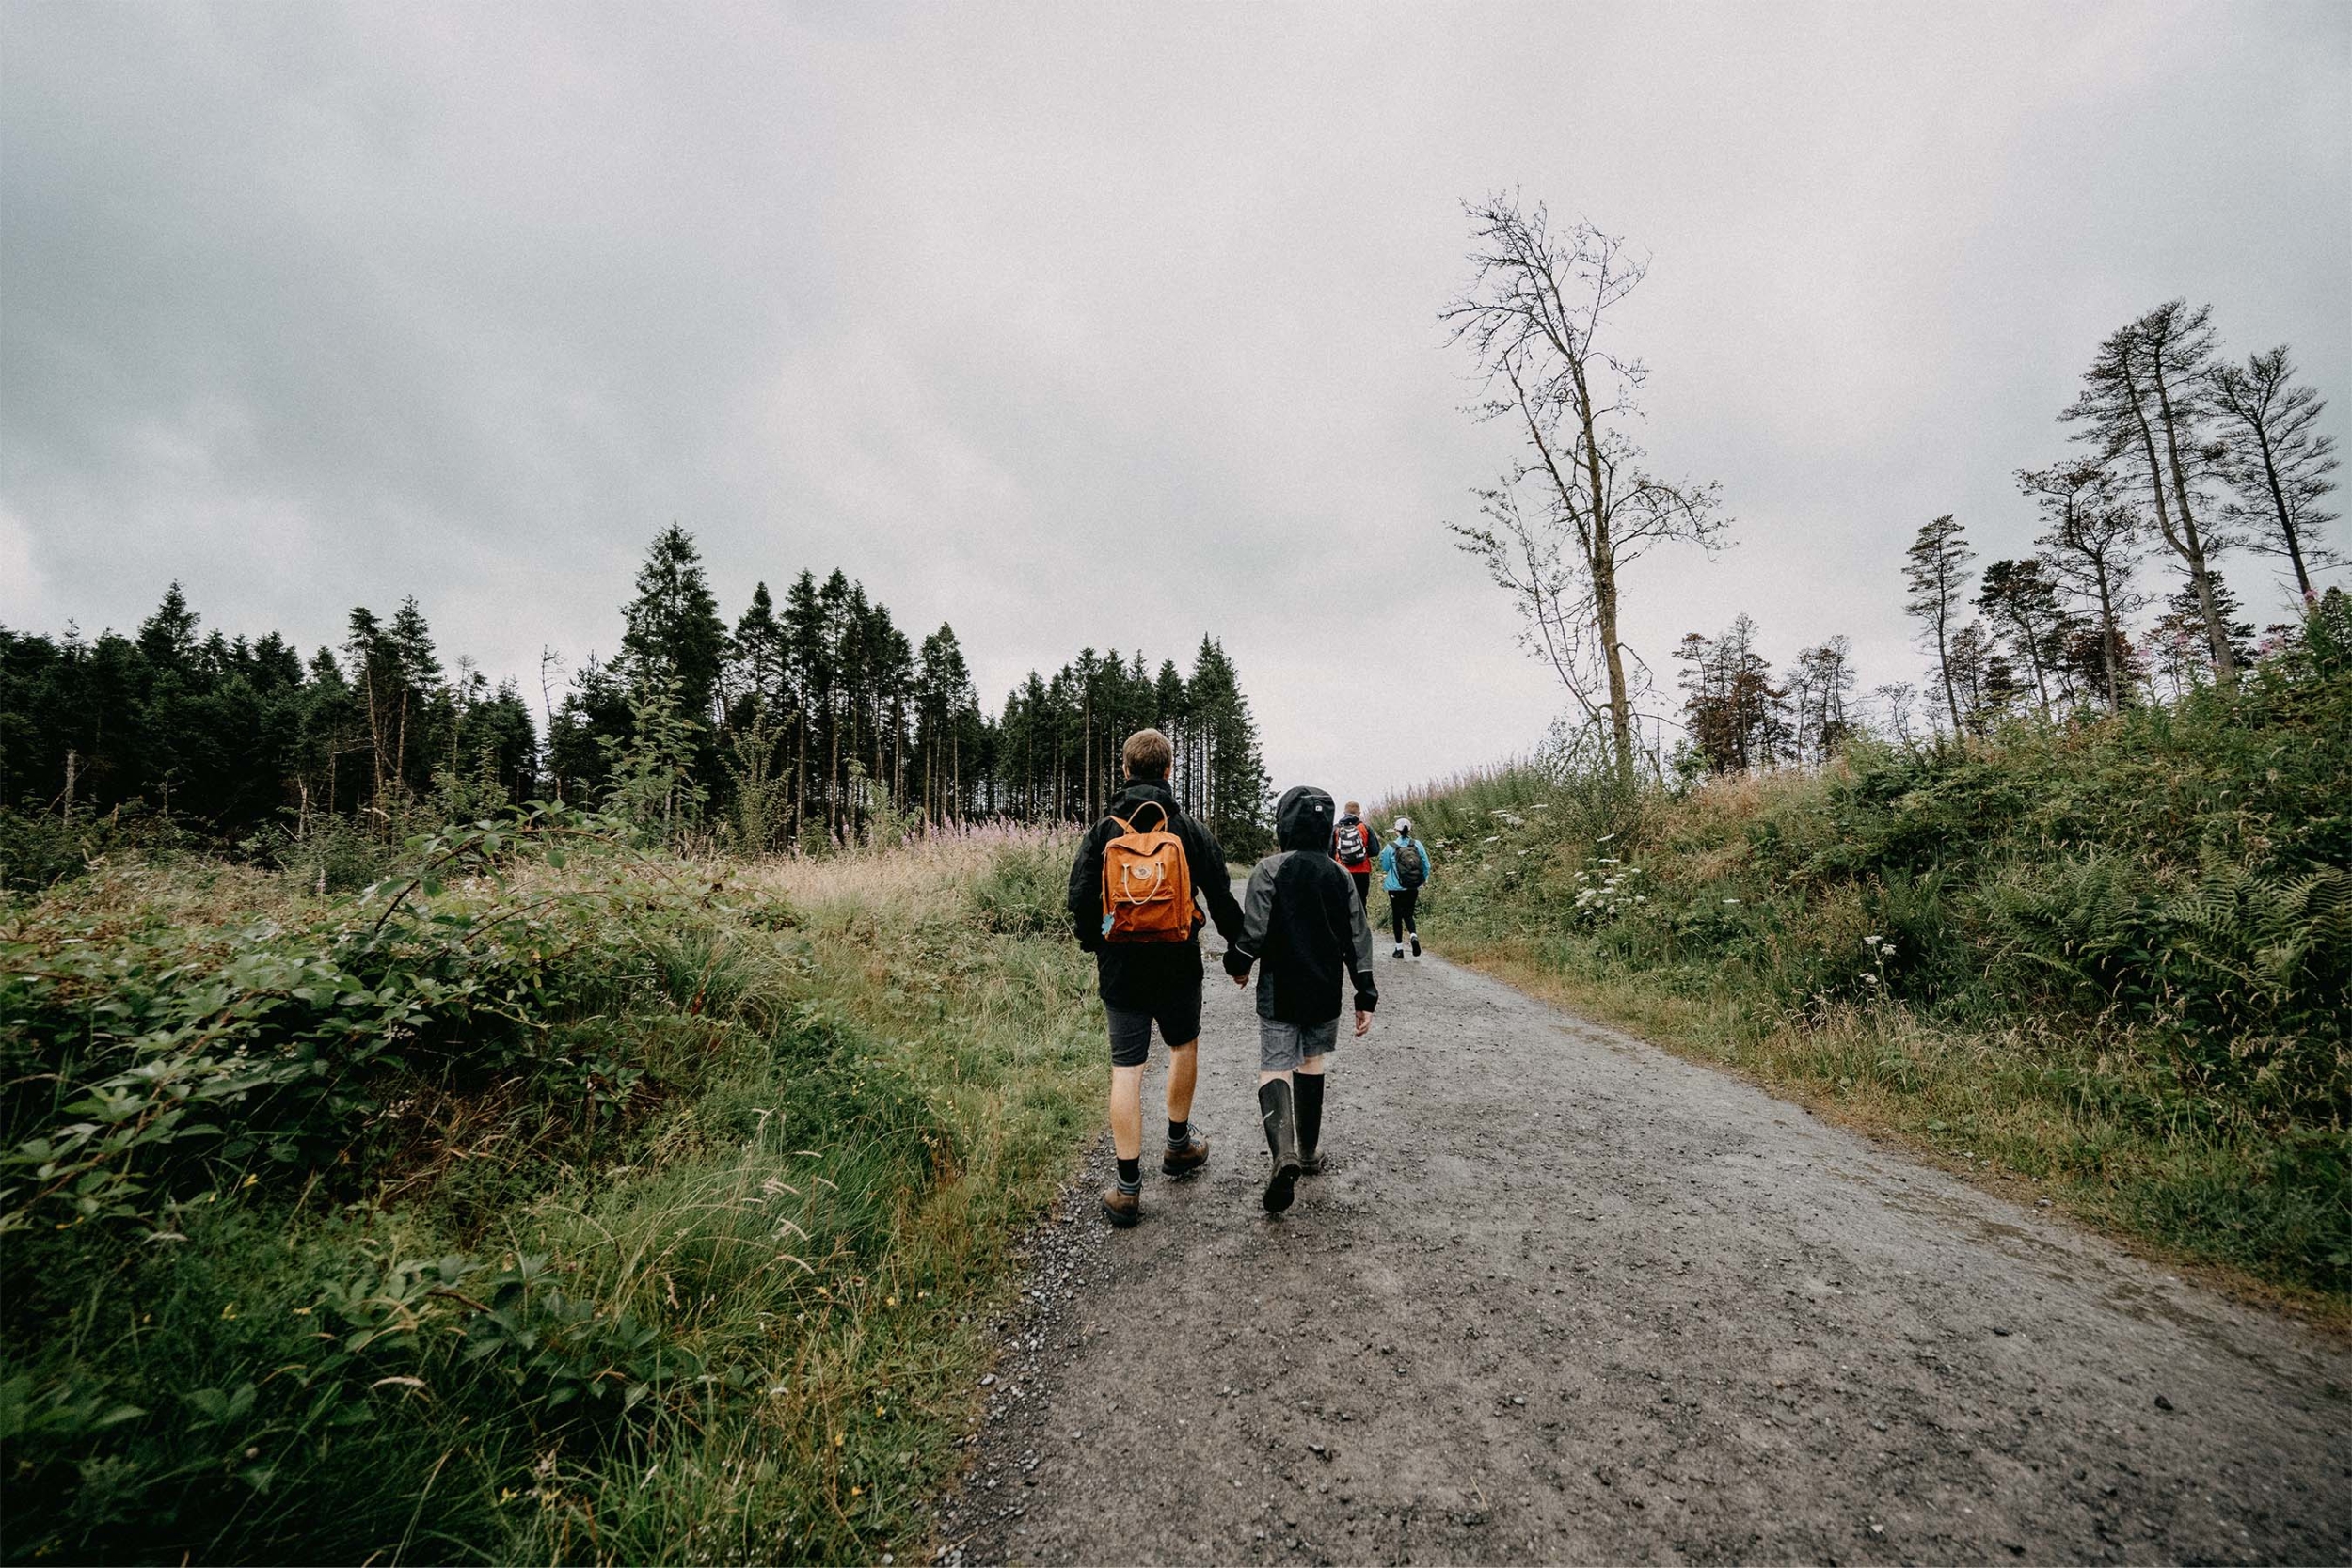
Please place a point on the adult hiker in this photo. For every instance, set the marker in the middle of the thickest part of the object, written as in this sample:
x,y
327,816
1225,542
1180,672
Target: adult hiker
x,y
1405,865
1353,845
1302,921
1133,894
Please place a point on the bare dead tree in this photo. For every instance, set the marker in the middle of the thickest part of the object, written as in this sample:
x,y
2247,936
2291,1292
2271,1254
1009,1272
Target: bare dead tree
x,y
1531,315
1895,698
1552,589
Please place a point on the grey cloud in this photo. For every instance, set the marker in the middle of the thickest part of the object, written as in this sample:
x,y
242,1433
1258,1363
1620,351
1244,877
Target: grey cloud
x,y
1007,310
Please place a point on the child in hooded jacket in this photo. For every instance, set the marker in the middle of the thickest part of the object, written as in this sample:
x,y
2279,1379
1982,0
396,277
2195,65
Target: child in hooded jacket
x,y
1302,921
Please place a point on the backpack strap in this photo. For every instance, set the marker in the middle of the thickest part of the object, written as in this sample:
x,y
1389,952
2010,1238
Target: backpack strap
x,y
1165,818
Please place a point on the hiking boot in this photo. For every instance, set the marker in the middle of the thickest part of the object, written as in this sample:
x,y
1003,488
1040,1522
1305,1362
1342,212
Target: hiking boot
x,y
1311,1164
1177,1164
1122,1207
1415,945
1278,1114
1400,952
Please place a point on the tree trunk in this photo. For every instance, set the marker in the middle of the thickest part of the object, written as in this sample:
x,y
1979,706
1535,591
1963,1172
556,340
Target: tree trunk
x,y
2224,657
2184,540
1604,569
1943,657
2286,515
2108,642
2033,662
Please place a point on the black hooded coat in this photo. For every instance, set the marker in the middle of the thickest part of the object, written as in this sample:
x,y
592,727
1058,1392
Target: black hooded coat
x,y
1137,976
1301,918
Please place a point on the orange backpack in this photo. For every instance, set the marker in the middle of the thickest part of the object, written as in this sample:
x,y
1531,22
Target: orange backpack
x,y
1147,884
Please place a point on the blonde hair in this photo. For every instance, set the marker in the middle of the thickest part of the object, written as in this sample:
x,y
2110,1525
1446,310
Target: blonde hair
x,y
1147,755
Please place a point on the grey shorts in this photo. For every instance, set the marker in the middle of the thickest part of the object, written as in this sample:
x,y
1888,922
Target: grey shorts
x,y
1178,1016
1283,1046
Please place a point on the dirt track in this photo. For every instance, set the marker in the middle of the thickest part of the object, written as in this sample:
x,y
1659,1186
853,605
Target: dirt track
x,y
1566,1297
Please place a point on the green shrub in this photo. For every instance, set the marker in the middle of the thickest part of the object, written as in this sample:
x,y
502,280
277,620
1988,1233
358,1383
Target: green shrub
x,y
1024,890
510,1209
2147,917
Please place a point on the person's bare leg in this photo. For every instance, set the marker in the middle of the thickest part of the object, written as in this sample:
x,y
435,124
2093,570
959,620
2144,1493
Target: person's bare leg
x,y
1122,1199
1187,1150
1183,1070
1127,1112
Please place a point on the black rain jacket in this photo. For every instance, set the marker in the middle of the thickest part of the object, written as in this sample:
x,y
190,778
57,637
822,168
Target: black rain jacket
x,y
1300,916
1135,976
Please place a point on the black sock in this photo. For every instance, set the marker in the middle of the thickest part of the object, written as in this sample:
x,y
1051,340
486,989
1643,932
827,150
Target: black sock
x,y
1307,1087
1179,1134
1131,1172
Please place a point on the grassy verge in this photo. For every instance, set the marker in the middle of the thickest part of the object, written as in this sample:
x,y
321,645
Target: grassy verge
x,y
612,1210
2110,959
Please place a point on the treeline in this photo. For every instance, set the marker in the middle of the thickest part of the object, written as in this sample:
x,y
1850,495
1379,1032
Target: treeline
x,y
2182,455
811,722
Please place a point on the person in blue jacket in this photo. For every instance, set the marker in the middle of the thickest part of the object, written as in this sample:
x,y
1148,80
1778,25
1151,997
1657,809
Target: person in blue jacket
x,y
1404,870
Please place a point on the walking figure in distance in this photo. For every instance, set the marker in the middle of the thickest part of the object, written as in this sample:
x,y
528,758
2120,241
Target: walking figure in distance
x,y
1405,866
1302,920
1133,900
1353,845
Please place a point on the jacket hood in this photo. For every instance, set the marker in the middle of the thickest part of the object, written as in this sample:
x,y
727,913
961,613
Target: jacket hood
x,y
1302,819
1134,792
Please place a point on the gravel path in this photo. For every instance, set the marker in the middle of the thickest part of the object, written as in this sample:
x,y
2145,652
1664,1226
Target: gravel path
x,y
1566,1297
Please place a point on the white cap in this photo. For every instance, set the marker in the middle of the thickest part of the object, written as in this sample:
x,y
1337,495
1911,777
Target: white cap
x,y
1404,824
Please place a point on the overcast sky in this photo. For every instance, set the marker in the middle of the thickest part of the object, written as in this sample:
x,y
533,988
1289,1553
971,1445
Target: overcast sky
x,y
1092,324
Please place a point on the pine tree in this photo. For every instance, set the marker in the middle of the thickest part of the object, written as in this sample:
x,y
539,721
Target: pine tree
x,y
2177,640
1736,717
759,662
167,638
673,634
2092,548
1937,576
2143,407
2277,461
1235,785
1820,692
810,657
2021,600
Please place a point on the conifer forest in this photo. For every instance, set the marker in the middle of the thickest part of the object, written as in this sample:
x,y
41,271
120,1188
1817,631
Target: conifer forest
x,y
810,723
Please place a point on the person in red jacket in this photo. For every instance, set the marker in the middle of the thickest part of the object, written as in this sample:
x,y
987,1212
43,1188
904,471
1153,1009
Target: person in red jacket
x,y
1355,845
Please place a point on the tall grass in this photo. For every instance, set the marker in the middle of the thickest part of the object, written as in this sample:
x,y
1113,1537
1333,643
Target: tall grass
x,y
679,1250
2112,956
